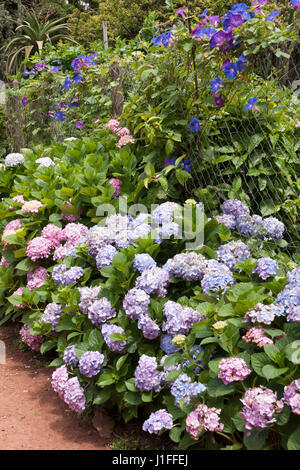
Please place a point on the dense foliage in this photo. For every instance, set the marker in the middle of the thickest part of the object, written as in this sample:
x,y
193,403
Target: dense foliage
x,y
190,340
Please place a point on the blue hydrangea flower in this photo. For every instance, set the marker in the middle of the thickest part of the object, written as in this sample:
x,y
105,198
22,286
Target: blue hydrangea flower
x,y
136,303
148,326
274,228
232,253
166,344
183,388
142,262
100,311
215,282
266,267
147,377
108,329
235,208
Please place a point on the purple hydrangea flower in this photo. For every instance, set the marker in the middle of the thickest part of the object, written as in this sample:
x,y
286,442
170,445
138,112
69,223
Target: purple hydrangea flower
x,y
105,256
148,326
108,329
257,335
70,357
136,303
292,396
235,208
233,369
142,262
179,320
52,314
266,267
153,281
74,395
249,226
97,238
228,220
260,407
274,228
100,311
217,281
147,377
157,421
88,295
165,212
189,266
90,363
232,253
59,379
261,314
33,341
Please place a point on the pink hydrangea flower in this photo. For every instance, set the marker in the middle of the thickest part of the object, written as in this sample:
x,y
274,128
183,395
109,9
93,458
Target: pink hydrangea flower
x,y
123,131
60,252
53,233
257,335
33,341
5,263
72,233
260,407
113,124
203,419
126,139
233,369
36,277
19,291
31,207
292,396
38,248
19,199
117,185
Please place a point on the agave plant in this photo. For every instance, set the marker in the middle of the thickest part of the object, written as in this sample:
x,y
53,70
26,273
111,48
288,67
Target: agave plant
x,y
33,36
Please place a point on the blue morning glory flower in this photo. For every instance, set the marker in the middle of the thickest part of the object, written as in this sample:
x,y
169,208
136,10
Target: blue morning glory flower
x,y
241,62
204,13
230,70
67,83
215,84
272,15
59,115
195,125
77,78
251,103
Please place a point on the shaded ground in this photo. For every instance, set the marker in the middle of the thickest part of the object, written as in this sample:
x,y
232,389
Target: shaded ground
x,y
33,417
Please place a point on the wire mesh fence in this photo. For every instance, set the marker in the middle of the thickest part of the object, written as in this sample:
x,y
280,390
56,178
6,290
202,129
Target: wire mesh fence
x,y
252,158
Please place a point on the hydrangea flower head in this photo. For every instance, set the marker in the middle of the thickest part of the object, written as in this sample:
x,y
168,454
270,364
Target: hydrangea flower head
x,y
136,303
266,267
13,159
31,207
292,396
33,341
203,419
70,356
147,377
36,277
108,329
260,407
233,369
90,363
157,421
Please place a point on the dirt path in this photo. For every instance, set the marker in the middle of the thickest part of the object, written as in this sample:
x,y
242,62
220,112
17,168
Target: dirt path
x,y
32,416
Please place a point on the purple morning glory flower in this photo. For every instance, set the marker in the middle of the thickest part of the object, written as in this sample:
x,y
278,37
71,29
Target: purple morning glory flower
x,y
26,73
218,99
251,103
79,125
59,115
230,70
272,16
295,3
215,84
214,20
24,100
67,83
195,125
235,20
180,12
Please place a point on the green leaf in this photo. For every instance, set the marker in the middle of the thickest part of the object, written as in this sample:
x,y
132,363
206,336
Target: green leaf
x,y
255,140
121,361
175,434
169,147
132,398
255,439
102,396
147,397
271,372
258,361
216,388
293,442
292,352
106,378
95,340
